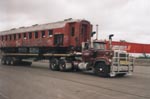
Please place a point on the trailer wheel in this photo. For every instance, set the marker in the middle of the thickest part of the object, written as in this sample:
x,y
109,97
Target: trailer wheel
x,y
8,59
3,61
101,69
53,65
12,61
64,65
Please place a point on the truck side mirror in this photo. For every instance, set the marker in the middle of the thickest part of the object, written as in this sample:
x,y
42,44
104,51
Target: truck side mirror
x,y
110,36
92,34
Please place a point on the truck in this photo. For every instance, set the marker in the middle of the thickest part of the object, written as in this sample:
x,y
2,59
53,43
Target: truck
x,y
67,45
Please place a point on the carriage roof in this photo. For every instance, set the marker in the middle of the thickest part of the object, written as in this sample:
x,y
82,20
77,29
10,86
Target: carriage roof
x,y
38,27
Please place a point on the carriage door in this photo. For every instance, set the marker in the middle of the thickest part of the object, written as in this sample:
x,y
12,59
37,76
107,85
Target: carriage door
x,y
72,34
58,39
84,33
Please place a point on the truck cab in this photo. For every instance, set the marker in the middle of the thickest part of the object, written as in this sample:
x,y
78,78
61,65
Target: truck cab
x,y
106,62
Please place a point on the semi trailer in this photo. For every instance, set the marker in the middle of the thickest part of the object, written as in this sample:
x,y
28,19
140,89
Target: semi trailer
x,y
67,45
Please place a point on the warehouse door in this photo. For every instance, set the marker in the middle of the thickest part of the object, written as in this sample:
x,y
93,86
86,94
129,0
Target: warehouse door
x,y
58,39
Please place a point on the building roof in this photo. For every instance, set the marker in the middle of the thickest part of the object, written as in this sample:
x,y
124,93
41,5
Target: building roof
x,y
38,27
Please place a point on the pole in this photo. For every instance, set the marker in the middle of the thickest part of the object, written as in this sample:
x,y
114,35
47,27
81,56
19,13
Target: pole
x,y
97,32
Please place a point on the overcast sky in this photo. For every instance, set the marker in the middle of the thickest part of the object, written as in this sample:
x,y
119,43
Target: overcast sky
x,y
127,19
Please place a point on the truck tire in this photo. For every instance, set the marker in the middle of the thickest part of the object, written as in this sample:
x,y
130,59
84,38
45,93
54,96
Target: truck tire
x,y
12,61
3,61
53,65
101,69
64,65
8,59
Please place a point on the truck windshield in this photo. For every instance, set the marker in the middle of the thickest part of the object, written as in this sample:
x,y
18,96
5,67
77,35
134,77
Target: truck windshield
x,y
98,45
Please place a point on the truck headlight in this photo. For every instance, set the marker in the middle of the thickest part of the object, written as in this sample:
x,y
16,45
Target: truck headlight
x,y
110,60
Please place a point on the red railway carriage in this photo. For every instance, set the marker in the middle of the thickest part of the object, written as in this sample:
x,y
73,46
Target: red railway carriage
x,y
61,35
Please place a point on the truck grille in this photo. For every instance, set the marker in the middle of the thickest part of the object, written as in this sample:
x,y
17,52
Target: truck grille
x,y
122,62
121,59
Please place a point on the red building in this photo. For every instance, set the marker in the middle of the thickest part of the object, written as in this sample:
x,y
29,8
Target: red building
x,y
131,47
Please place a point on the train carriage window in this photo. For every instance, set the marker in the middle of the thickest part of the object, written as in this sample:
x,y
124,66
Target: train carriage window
x,y
43,34
19,36
9,37
36,34
2,38
6,37
58,39
30,35
14,36
24,36
72,30
50,33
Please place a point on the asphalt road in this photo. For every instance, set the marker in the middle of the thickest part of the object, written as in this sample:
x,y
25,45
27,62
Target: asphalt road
x,y
37,82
